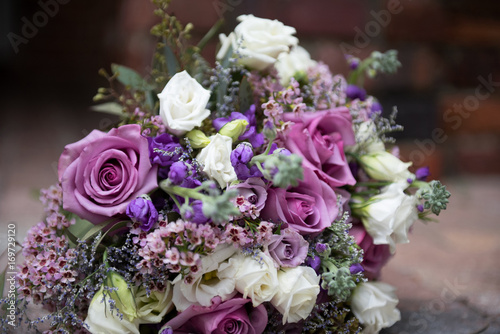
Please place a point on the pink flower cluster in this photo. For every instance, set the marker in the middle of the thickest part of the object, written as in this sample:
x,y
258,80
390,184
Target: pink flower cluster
x,y
46,253
175,245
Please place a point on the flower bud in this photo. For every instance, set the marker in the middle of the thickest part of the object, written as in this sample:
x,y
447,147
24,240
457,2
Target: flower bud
x,y
234,129
197,139
143,211
384,166
122,295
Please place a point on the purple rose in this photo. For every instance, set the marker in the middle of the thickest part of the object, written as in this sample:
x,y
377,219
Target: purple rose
x,y
236,316
254,191
103,172
143,211
288,249
319,137
308,208
375,256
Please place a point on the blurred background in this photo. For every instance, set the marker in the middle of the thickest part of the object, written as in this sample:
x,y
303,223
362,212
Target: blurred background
x,y
447,93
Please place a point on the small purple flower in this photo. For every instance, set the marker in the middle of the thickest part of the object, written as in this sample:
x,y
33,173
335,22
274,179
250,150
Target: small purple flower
x,y
164,150
422,173
356,268
354,92
420,208
314,262
240,156
376,107
143,211
178,172
289,249
196,216
321,248
167,330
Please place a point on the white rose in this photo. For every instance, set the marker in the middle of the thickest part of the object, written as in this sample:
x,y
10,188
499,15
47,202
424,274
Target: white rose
x,y
298,60
256,277
183,103
383,166
216,160
151,309
258,42
389,215
216,278
374,304
101,320
297,292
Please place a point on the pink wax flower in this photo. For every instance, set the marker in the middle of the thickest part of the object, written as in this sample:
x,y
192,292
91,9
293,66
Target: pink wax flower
x,y
232,316
319,137
103,172
375,256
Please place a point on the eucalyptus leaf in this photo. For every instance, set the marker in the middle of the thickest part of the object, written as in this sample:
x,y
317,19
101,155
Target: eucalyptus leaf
x,y
130,78
111,108
245,95
172,63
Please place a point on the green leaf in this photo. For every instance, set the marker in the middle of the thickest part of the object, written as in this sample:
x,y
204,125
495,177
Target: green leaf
x,y
83,229
172,63
130,78
245,95
112,108
113,228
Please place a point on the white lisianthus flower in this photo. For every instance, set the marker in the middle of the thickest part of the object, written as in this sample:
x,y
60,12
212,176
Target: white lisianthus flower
x,y
102,320
389,215
367,139
383,166
256,277
183,103
151,309
216,278
216,160
297,60
297,292
258,42
374,304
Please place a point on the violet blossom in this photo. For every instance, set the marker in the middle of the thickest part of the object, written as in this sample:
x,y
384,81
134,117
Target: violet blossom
x,y
143,211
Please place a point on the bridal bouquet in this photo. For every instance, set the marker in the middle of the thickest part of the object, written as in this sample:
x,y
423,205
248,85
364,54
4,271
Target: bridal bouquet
x,y
259,195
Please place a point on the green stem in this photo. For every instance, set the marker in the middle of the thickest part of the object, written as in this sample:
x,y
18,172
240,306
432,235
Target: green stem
x,y
372,184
